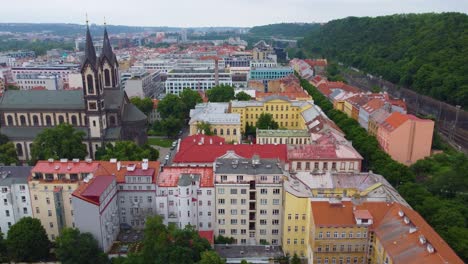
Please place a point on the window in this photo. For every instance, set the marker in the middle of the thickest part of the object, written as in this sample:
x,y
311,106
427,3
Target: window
x,y
335,234
328,234
289,216
276,191
233,221
51,225
150,199
320,235
10,120
276,201
263,191
233,191
233,211
263,201
61,119
234,131
343,234
243,201
106,78
48,200
228,131
221,191
221,131
240,178
90,85
275,212
263,222
23,120
350,234
221,211
223,178
221,201
275,222
19,149
37,210
296,228
263,212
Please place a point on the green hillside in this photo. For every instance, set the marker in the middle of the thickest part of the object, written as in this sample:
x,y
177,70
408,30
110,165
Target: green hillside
x,y
426,52
283,30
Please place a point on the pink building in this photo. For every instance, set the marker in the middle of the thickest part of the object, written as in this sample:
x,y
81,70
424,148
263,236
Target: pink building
x,y
406,138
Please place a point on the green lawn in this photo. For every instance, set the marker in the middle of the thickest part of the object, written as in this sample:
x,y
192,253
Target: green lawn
x,y
162,142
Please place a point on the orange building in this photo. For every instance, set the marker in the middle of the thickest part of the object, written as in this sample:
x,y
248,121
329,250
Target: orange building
x,y
406,138
373,232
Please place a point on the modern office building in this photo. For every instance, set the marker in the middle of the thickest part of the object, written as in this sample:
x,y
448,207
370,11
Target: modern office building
x,y
37,81
15,201
195,79
144,84
249,198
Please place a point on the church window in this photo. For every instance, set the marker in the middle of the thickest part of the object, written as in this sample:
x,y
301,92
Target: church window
x,y
23,120
10,120
112,120
90,85
107,78
35,121
61,119
74,121
19,149
48,120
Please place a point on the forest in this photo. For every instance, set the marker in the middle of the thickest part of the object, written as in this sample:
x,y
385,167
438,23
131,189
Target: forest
x,y
284,30
426,52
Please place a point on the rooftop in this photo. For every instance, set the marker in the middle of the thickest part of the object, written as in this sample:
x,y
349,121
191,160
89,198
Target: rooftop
x,y
282,133
10,175
42,99
248,166
91,191
170,176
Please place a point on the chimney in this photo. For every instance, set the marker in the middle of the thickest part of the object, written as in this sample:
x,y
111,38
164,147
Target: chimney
x,y
216,72
144,165
118,165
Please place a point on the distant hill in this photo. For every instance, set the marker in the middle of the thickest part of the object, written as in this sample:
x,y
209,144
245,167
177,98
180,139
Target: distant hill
x,y
283,30
426,52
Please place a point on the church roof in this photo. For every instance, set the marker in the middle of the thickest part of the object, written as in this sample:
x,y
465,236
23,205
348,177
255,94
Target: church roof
x,y
13,132
113,133
90,51
113,98
50,99
132,113
107,49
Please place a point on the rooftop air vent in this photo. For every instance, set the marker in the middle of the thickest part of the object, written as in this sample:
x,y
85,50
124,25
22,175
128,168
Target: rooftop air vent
x,y
422,240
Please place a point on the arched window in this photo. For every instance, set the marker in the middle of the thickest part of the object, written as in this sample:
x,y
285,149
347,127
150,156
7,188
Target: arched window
x,y
234,131
35,121
10,120
221,132
215,131
48,120
90,84
112,120
74,121
19,149
228,131
61,119
107,79
23,120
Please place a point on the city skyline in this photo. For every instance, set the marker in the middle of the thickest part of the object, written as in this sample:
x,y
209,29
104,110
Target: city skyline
x,y
243,13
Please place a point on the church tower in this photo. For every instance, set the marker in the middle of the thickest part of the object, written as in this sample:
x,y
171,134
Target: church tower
x,y
93,94
108,64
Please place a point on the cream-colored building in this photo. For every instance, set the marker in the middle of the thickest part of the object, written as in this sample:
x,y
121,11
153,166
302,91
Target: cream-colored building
x,y
249,198
223,123
283,136
51,186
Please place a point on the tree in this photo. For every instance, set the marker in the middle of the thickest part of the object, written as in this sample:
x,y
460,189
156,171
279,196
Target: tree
x,y
126,150
27,241
171,105
172,125
8,154
63,141
205,127
295,259
145,105
211,257
266,121
244,262
243,96
224,240
74,247
221,93
3,249
190,98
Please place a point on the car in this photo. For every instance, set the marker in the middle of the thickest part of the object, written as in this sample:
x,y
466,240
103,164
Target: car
x,y
167,157
174,144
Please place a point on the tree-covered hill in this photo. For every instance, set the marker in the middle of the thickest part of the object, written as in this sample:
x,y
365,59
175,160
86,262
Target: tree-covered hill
x,y
426,52
284,30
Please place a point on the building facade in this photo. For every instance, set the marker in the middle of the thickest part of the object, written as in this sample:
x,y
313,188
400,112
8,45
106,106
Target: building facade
x,y
15,201
269,73
195,79
292,137
249,200
34,81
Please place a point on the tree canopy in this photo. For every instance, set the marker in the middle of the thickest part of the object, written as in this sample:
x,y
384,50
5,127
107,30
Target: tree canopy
x,y
8,153
63,141
145,105
171,105
243,96
171,126
210,257
425,52
171,245
126,150
27,241
266,121
74,247
205,127
221,93
189,98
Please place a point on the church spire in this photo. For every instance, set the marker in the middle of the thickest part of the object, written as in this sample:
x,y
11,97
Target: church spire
x,y
90,51
106,47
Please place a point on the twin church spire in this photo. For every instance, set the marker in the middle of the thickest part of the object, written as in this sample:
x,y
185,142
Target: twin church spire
x,y
106,54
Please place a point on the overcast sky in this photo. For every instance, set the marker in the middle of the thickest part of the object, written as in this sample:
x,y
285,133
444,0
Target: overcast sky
x,y
194,13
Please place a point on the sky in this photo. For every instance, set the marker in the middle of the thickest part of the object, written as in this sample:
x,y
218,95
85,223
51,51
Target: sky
x,y
198,13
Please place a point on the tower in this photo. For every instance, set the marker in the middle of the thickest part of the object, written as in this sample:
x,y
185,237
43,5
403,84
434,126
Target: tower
x,y
108,65
93,94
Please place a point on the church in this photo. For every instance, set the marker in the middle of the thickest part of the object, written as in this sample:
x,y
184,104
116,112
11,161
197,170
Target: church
x,y
101,110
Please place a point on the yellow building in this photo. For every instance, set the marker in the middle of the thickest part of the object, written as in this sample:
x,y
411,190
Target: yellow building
x,y
296,227
224,124
51,186
287,113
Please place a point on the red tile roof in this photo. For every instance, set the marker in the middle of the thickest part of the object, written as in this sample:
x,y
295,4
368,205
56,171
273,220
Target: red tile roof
x,y
110,168
394,120
169,177
92,190
207,153
362,214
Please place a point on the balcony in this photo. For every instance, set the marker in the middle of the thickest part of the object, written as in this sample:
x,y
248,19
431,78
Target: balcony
x,y
252,196
252,216
252,206
252,226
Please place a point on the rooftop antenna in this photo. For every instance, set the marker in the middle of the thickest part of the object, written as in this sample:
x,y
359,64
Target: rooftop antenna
x,y
87,21
105,24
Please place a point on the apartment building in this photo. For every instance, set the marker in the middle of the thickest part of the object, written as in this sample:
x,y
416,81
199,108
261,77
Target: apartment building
x,y
406,138
51,186
62,71
249,200
292,137
143,84
272,73
15,201
186,196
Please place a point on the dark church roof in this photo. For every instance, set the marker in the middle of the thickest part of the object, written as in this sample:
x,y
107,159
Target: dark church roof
x,y
49,99
90,51
132,114
113,98
26,132
107,49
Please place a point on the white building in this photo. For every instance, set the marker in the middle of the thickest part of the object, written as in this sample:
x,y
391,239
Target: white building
x,y
196,79
96,210
186,197
144,84
62,71
15,201
161,65
33,81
